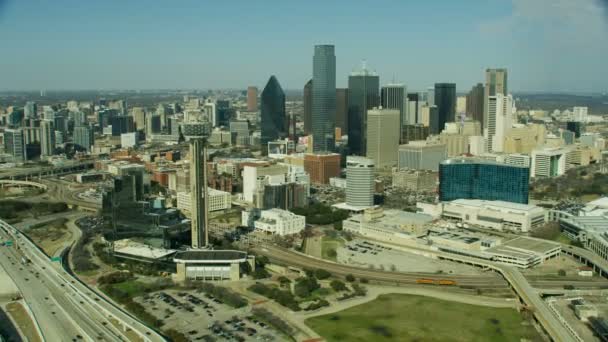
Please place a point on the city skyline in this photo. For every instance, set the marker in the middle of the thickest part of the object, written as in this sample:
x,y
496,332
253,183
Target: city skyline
x,y
73,48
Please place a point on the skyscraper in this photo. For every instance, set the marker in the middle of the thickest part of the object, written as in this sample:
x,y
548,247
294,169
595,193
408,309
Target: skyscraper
x,y
359,181
471,178
198,192
14,143
383,133
84,137
430,96
308,107
496,83
342,109
273,120
323,98
139,118
414,107
393,96
252,99
47,138
445,100
475,104
499,121
363,94
30,110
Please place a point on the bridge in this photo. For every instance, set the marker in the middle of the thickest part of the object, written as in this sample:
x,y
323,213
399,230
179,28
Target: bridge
x,y
45,171
18,183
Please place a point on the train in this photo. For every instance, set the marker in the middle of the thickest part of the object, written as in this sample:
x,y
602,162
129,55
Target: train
x,y
444,282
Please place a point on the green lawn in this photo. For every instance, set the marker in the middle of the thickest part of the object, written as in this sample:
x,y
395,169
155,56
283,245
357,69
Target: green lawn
x,y
134,288
328,244
398,317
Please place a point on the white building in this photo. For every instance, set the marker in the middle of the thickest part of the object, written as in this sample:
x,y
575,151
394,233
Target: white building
x,y
128,139
499,121
477,145
218,200
395,226
359,182
498,215
518,159
255,177
274,221
580,114
548,162
383,133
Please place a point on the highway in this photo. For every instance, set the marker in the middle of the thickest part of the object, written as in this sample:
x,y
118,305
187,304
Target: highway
x,y
64,308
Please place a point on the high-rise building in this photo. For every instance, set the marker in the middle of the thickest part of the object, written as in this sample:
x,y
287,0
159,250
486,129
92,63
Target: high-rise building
x,y
430,96
393,96
499,120
84,137
359,182
576,127
273,120
30,110
445,100
475,104
80,118
252,99
47,138
549,162
383,136
461,105
433,119
342,109
198,193
469,178
422,155
223,113
153,125
323,98
14,144
308,107
322,167
139,118
121,124
363,94
579,114
415,132
413,112
496,83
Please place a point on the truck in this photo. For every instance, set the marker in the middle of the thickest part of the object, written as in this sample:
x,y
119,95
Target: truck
x,y
24,260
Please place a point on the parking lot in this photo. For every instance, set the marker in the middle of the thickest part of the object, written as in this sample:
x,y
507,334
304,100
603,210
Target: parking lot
x,y
368,254
202,317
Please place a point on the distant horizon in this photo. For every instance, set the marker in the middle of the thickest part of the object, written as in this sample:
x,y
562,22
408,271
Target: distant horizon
x,y
546,45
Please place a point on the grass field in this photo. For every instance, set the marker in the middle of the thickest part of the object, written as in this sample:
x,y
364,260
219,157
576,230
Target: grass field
x,y
329,244
23,320
398,317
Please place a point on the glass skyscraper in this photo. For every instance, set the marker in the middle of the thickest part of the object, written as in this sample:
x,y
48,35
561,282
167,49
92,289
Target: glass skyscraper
x,y
363,94
273,120
323,98
469,178
445,100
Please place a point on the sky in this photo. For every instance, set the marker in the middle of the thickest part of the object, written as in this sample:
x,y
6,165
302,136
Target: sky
x,y
547,45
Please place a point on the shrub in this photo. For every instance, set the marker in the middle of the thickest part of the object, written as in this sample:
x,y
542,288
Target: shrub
x,y
338,285
350,278
322,274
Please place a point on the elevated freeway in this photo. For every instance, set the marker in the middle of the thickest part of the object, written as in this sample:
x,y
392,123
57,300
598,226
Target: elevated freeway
x,y
24,173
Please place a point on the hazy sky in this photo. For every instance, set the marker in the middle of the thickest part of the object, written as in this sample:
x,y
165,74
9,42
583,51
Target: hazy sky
x,y
547,45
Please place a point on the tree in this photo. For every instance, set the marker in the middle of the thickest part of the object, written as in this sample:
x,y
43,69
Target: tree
x,y
338,225
284,281
338,285
322,274
561,273
350,278
332,253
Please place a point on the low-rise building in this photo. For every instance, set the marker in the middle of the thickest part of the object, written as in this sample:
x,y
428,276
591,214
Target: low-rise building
x,y
218,200
498,215
274,221
417,180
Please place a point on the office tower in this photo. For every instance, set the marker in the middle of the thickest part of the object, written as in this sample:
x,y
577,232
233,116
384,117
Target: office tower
x,y
121,124
323,98
84,137
322,167
433,120
469,178
30,110
422,155
308,107
524,138
359,181
576,127
461,106
80,118
120,106
273,124
139,118
174,126
223,113
252,99
430,96
383,136
104,117
153,125
14,118
579,114
415,132
475,104
198,192
445,100
496,83
14,144
47,138
414,106
393,96
499,120
549,162
342,109
363,94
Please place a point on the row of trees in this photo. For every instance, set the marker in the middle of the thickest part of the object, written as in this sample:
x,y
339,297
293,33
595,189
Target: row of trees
x,y
283,297
321,214
225,295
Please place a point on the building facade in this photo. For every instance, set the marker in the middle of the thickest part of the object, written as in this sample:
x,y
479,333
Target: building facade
x,y
383,136
359,182
324,98
445,100
273,119
421,155
363,94
322,167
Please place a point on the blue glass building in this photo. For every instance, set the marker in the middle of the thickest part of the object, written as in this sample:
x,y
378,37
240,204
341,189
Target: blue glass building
x,y
471,178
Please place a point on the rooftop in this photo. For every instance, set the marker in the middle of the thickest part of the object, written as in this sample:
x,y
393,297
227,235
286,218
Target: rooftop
x,y
129,247
210,255
468,160
496,205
